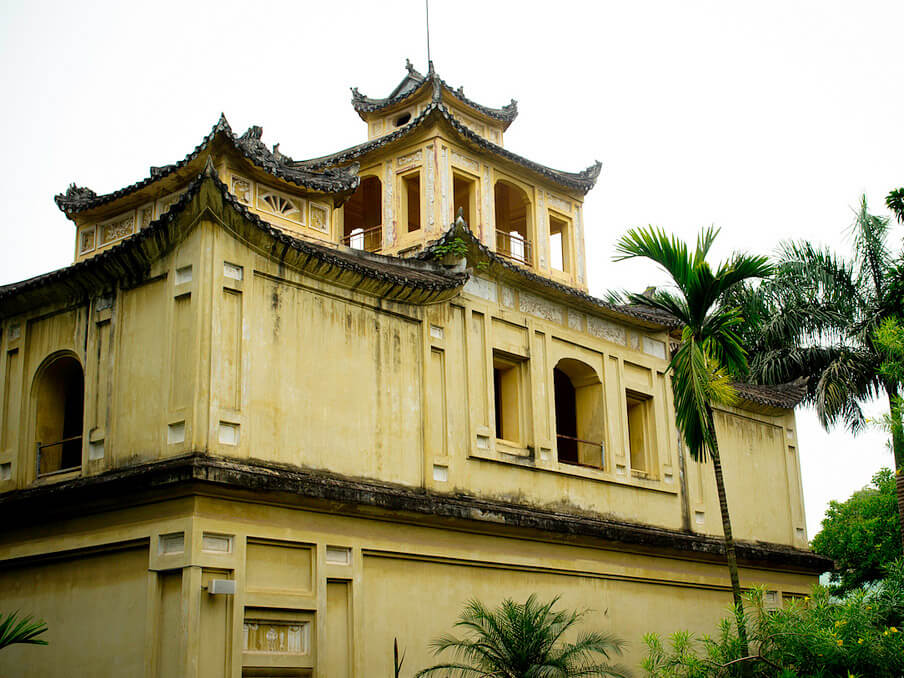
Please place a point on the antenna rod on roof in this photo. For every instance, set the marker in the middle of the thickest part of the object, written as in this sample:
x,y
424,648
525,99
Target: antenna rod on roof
x,y
429,60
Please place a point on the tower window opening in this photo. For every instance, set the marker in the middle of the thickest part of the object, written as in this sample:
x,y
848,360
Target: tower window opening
x,y
363,217
411,185
639,444
60,407
512,223
579,414
507,398
403,119
463,197
558,244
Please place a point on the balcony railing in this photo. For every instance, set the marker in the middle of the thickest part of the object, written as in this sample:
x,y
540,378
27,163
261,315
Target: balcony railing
x,y
49,461
367,239
576,445
515,247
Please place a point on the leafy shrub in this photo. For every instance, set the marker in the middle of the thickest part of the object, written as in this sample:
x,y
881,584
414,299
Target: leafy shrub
x,y
821,636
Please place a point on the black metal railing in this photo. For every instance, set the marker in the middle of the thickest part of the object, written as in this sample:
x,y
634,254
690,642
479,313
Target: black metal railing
x,y
367,239
69,457
515,247
570,448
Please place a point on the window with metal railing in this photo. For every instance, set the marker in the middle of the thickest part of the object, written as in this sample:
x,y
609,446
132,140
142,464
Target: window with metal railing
x,y
363,217
60,398
513,223
579,414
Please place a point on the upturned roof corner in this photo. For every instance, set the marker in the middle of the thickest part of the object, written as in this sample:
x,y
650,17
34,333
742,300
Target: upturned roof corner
x,y
330,180
414,83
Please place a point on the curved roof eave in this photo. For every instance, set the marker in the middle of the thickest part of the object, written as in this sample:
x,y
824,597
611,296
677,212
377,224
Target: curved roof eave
x,y
577,181
414,83
77,199
130,259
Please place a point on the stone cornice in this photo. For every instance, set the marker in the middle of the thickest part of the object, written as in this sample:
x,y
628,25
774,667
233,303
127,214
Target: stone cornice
x,y
320,490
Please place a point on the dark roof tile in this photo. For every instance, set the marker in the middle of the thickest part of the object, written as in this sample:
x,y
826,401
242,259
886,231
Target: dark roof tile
x,y
249,145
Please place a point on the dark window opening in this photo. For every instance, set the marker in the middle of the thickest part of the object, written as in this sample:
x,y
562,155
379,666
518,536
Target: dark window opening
x,y
412,186
463,197
59,414
363,217
566,418
403,119
579,414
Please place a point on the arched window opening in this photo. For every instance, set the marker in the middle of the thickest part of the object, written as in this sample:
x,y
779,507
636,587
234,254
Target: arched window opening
x,y
512,223
60,405
363,216
579,414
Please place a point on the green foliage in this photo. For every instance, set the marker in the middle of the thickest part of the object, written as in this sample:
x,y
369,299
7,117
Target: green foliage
x,y
524,640
817,317
889,340
21,631
861,534
895,202
456,247
820,637
710,348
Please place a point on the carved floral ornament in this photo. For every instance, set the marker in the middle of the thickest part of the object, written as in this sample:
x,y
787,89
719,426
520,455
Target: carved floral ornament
x,y
117,228
276,637
320,217
86,240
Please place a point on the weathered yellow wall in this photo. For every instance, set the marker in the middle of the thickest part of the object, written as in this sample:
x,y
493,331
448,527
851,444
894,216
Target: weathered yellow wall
x,y
246,358
352,585
94,606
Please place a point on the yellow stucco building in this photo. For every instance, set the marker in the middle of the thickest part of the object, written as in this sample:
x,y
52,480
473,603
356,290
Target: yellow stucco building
x,y
279,413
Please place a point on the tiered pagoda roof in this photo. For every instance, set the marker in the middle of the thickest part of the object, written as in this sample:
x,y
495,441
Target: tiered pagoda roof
x,y
413,84
334,180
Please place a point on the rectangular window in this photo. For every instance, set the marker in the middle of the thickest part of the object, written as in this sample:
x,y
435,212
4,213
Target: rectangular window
x,y
639,440
507,395
411,185
464,191
559,253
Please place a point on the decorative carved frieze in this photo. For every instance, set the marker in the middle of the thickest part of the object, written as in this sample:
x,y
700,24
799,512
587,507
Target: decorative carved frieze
x,y
86,240
145,216
117,228
276,637
465,161
281,205
242,189
410,159
320,217
604,329
557,203
539,307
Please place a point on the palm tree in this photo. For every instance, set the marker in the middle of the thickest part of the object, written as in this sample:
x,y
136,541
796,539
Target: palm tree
x,y
820,320
709,352
26,631
524,640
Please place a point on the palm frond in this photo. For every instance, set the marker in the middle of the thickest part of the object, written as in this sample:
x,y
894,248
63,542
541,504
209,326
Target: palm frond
x,y
870,249
895,202
518,640
26,630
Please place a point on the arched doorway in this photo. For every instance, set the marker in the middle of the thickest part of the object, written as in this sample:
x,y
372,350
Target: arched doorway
x,y
60,400
579,414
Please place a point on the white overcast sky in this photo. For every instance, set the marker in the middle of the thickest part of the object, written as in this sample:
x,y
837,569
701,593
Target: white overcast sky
x,y
768,119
